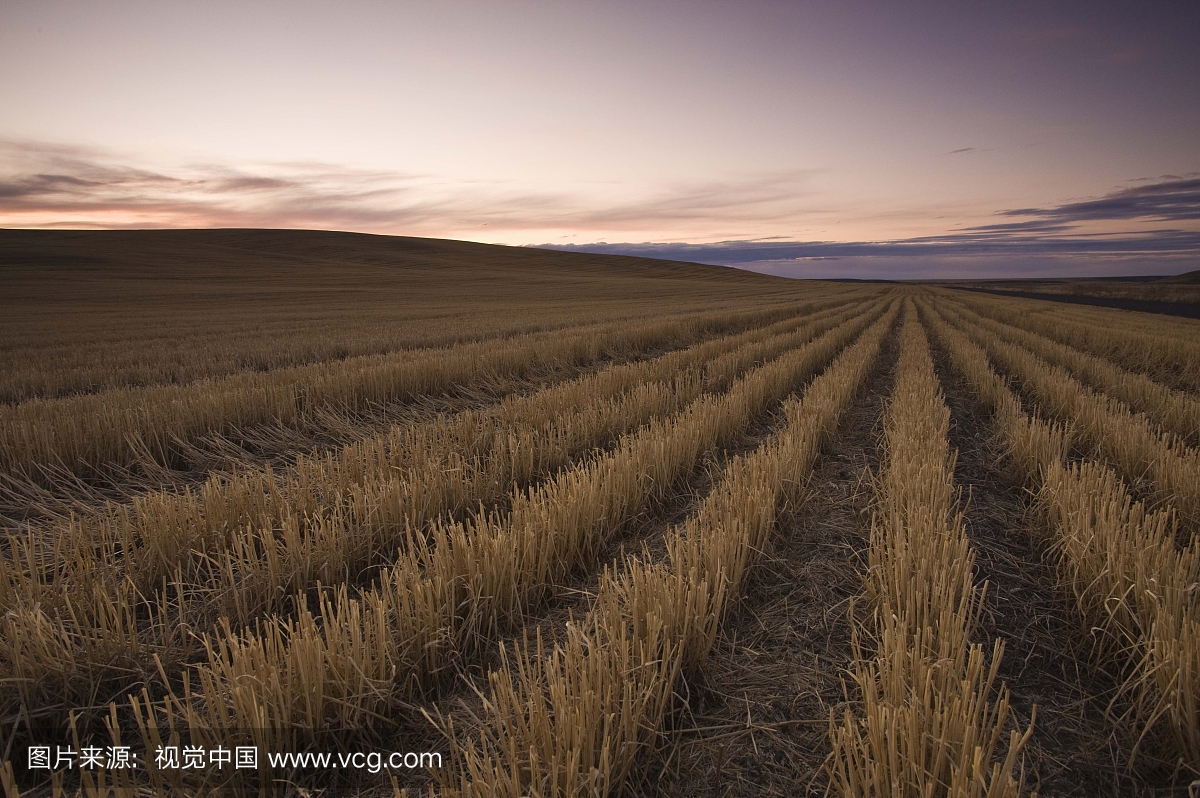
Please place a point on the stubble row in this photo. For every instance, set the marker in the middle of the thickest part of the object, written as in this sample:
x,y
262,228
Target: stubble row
x,y
928,724
572,719
93,624
91,435
350,657
1156,462
1132,583
1157,346
1175,411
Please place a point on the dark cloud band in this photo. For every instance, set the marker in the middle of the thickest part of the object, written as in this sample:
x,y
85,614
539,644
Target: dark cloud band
x,y
732,253
1051,231
1170,200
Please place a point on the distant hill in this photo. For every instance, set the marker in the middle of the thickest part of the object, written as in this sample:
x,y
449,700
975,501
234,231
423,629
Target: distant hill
x,y
240,254
304,272
131,307
1187,278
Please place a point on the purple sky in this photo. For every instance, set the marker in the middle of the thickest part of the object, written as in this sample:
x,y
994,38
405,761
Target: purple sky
x,y
826,139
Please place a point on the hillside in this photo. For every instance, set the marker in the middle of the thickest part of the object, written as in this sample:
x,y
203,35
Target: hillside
x,y
252,266
1187,278
110,308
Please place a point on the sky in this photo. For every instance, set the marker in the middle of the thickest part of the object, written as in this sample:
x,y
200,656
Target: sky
x,y
828,139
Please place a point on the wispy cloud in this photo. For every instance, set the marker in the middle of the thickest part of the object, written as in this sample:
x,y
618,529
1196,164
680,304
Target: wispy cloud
x,y
48,185
76,185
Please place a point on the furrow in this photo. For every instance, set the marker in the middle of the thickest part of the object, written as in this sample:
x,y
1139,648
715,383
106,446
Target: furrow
x,y
753,721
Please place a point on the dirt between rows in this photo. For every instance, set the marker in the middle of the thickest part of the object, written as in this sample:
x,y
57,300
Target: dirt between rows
x,y
756,722
1074,750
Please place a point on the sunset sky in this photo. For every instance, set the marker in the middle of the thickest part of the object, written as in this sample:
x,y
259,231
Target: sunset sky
x,y
856,139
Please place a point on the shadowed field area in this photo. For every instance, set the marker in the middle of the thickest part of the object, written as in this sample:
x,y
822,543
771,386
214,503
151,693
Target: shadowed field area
x,y
1176,295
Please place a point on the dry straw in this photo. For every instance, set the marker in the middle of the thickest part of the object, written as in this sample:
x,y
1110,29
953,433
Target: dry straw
x,y
571,721
96,433
357,499
90,619
1158,346
350,659
1168,469
1119,558
927,725
1175,411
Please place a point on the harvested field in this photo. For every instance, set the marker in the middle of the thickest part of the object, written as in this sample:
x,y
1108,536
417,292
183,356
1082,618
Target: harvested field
x,y
1177,295
577,525
1185,309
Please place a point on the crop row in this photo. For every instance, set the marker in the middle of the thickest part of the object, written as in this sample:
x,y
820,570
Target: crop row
x,y
1137,342
927,726
356,655
97,352
572,720
253,541
1175,411
116,429
85,622
96,621
115,356
1119,558
447,597
1167,325
1169,469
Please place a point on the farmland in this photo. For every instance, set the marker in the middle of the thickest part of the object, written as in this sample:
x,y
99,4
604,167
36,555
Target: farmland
x,y
1177,295
586,525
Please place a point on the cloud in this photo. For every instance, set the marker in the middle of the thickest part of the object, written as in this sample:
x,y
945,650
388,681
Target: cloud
x,y
49,185
57,186
1051,236
765,197
1169,200
960,151
732,253
79,184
